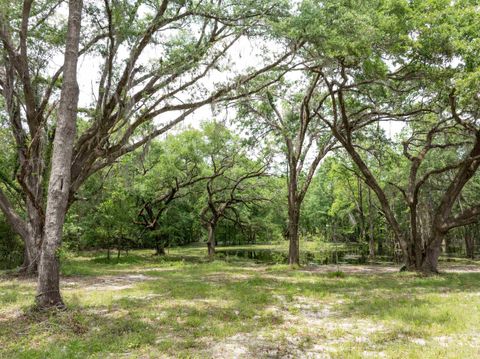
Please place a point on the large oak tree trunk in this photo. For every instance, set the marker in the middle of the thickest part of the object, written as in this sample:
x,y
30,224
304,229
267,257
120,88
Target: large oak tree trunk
x,y
48,289
430,260
410,258
421,259
425,260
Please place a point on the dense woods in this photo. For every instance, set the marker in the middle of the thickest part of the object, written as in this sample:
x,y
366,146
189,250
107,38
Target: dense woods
x,y
162,124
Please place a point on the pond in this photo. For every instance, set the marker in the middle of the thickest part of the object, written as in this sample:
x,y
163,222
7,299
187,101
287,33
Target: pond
x,y
306,257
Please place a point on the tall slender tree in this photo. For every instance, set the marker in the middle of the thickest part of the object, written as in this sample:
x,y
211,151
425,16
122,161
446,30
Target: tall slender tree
x,y
304,139
48,291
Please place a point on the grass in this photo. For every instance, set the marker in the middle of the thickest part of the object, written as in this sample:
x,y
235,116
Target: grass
x,y
184,306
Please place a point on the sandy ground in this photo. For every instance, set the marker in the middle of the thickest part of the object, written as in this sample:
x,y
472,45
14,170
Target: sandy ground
x,y
313,319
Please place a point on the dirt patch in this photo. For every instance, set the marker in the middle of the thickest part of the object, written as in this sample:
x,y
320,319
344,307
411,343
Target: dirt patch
x,y
261,345
104,283
310,329
352,269
460,268
369,269
10,315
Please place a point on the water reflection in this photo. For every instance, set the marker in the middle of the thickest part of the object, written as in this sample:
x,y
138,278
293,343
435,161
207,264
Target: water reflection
x,y
306,257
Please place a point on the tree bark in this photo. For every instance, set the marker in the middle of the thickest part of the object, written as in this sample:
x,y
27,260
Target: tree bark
x,y
361,212
380,245
430,260
294,246
371,239
159,246
30,232
469,244
31,255
294,204
410,259
48,288
32,241
211,241
294,242
30,264
470,247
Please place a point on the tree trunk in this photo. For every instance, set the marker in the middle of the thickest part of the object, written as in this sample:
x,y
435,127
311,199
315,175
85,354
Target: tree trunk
x,y
410,258
159,247
432,253
211,241
371,181
361,212
371,239
29,265
380,245
470,245
419,253
430,262
31,255
294,246
48,289
294,204
371,246
448,245
30,231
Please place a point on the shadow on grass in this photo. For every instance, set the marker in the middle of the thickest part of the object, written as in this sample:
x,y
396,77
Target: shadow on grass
x,y
73,334
168,315
186,307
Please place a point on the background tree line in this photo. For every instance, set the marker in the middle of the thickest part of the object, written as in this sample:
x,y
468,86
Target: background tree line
x,y
158,198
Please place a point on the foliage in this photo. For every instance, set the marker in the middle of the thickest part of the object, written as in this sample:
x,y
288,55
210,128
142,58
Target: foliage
x,y
11,247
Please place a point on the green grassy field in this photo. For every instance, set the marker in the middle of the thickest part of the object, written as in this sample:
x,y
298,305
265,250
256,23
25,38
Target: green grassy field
x,y
143,306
